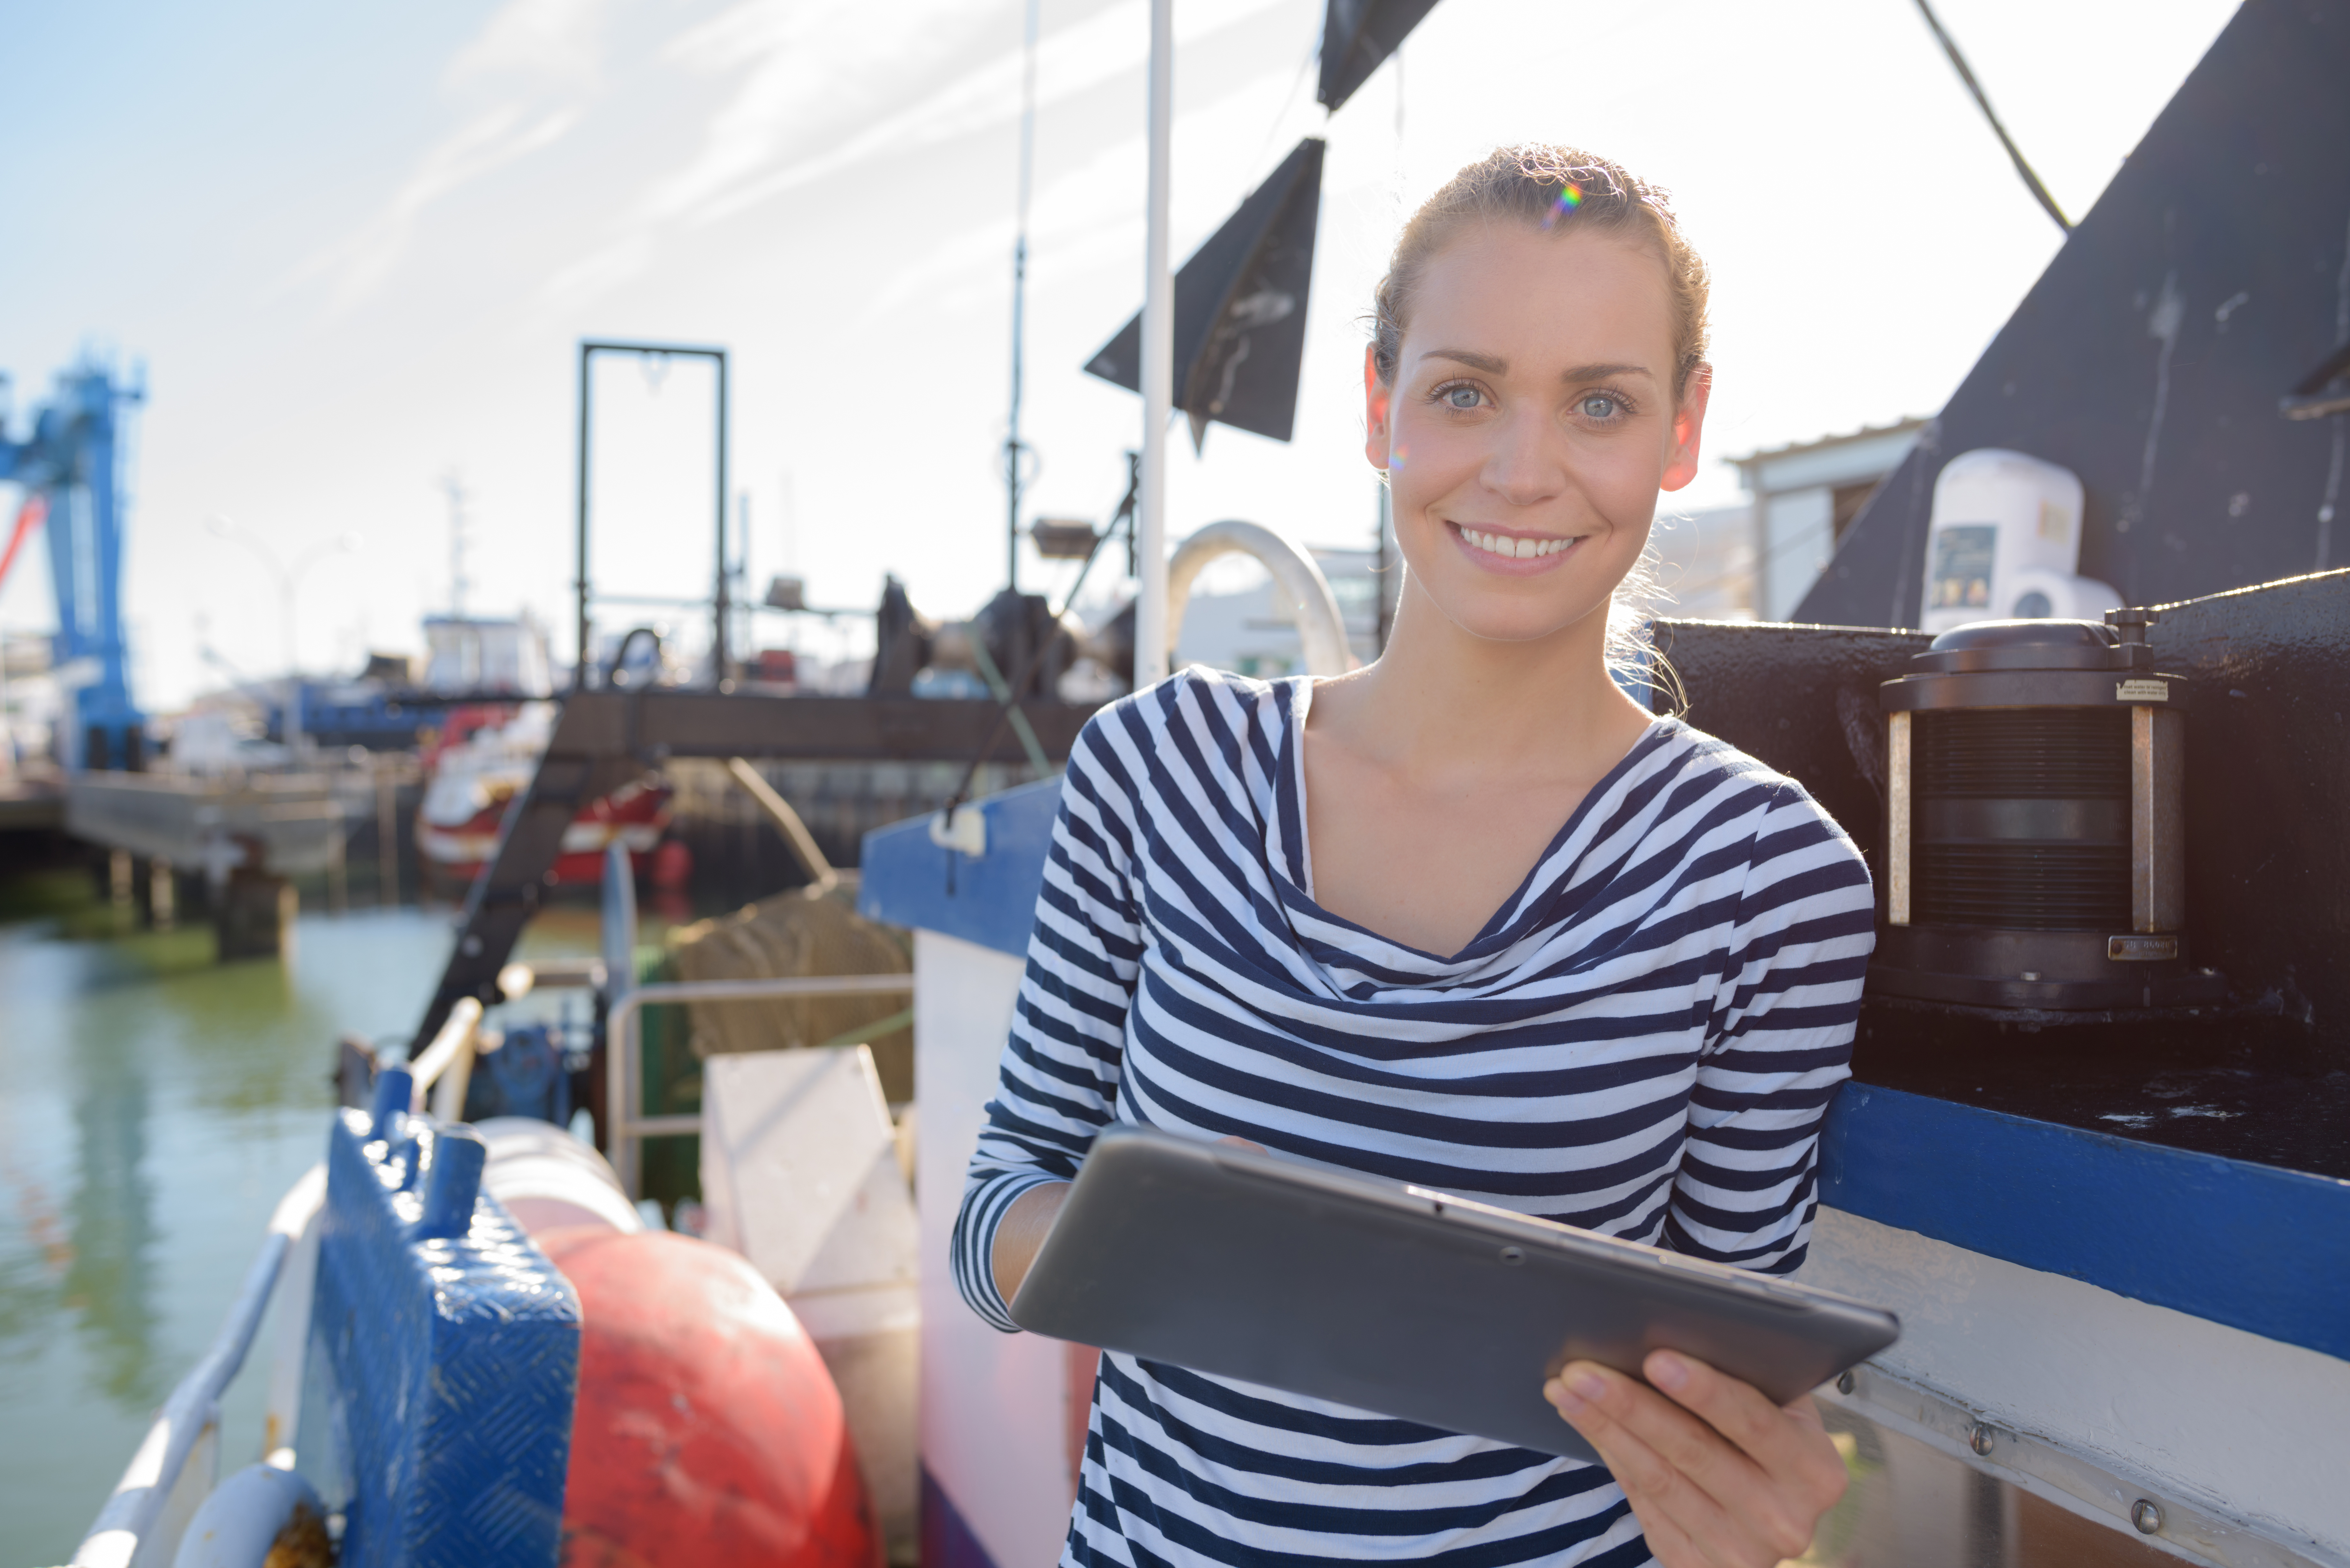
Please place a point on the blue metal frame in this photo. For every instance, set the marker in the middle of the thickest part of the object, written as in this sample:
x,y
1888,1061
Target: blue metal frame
x,y
991,899
2251,1246
453,1346
73,460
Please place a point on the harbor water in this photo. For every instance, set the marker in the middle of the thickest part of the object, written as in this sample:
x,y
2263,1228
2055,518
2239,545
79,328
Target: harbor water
x,y
154,1106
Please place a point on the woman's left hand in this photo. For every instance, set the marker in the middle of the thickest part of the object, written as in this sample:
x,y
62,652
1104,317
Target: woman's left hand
x,y
1720,1477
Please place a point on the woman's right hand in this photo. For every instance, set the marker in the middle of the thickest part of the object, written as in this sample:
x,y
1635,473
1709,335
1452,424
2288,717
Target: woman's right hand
x,y
1022,1234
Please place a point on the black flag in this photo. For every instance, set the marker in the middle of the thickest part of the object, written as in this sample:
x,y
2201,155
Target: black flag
x,y
1356,35
1240,309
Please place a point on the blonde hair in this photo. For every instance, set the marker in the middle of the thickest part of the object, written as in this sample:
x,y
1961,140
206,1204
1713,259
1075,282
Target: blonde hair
x,y
1556,189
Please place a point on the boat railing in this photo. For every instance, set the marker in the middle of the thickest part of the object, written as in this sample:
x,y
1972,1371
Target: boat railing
x,y
629,1126
153,1483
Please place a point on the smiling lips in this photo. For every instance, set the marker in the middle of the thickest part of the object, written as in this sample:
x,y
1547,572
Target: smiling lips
x,y
1514,546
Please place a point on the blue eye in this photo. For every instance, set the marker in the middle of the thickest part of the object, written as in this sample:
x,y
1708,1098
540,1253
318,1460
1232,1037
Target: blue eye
x,y
1599,406
1461,398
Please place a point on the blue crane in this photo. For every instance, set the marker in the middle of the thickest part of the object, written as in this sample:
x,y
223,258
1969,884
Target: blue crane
x,y
70,468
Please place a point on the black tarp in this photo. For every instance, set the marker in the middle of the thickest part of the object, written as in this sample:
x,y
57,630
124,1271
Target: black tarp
x,y
1240,309
2209,281
1357,36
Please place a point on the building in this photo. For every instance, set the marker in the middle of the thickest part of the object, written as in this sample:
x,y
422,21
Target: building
x,y
1703,563
1805,497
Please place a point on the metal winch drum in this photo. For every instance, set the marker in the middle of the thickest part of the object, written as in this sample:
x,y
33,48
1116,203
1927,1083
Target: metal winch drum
x,y
2035,824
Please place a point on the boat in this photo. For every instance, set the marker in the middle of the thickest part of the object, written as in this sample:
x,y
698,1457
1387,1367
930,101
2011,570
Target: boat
x,y
483,759
2107,1194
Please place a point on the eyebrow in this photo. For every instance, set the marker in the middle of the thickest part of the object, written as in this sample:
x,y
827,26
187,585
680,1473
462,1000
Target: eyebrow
x,y
1493,365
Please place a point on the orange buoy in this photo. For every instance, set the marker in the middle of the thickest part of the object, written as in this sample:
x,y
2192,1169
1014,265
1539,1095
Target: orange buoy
x,y
707,1429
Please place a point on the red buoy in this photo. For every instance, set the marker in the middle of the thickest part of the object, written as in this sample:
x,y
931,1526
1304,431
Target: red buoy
x,y
707,1430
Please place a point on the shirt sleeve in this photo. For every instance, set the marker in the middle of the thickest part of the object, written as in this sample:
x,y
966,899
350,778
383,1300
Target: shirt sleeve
x,y
1779,1044
1058,1084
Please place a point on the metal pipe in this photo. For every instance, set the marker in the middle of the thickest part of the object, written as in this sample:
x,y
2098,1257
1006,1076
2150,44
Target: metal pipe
x,y
138,1498
722,653
579,671
821,877
456,1035
1158,364
1020,297
1321,628
623,1055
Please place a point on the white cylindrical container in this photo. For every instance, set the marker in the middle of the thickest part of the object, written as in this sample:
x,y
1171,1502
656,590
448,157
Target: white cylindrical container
x,y
2004,543
242,1518
549,1179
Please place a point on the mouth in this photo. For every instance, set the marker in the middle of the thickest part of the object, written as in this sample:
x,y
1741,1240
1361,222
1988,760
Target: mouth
x,y
1516,553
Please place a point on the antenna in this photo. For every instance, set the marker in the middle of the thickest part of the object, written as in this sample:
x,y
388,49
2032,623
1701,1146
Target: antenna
x,y
452,486
1012,445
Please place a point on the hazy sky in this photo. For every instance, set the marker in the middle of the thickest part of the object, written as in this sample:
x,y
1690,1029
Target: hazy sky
x,y
356,246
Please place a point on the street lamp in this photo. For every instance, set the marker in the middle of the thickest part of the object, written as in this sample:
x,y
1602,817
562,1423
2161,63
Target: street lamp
x,y
289,579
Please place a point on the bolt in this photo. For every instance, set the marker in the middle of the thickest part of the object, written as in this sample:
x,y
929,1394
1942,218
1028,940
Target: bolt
x,y
1980,1438
1844,1382
1514,1256
2147,1514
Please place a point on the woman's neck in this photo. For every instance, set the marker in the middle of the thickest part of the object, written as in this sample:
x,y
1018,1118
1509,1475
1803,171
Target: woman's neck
x,y
1443,699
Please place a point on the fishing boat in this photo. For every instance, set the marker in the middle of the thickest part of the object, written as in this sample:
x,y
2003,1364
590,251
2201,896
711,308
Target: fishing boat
x,y
2092,1153
482,761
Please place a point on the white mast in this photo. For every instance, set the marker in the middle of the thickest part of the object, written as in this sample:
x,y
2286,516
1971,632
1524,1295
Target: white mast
x,y
1157,366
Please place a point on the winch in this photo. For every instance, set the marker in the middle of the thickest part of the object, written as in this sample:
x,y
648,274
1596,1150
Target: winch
x,y
2035,854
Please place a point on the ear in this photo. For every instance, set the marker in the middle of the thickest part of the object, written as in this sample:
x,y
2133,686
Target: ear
x,y
1688,426
1377,402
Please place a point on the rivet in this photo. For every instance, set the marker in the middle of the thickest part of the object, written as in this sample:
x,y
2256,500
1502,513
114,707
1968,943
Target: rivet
x,y
1981,1437
2147,1514
1844,1382
1514,1256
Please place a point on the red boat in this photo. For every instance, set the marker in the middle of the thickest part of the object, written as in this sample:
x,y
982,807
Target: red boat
x,y
486,756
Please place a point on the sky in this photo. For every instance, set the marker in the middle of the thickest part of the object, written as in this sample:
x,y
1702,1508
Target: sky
x,y
355,248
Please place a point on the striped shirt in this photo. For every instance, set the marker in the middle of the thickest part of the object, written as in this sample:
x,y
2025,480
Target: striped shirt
x,y
1641,1041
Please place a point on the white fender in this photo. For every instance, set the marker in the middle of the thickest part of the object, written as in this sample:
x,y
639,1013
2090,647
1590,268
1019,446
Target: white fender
x,y
241,1518
547,1179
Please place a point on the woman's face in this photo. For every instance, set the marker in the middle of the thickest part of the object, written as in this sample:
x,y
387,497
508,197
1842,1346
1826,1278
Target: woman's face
x,y
1531,425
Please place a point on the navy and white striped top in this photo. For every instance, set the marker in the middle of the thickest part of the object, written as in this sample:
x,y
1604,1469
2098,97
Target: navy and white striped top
x,y
1642,1042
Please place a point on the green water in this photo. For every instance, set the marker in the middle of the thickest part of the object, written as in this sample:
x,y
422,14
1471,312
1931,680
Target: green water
x,y
154,1106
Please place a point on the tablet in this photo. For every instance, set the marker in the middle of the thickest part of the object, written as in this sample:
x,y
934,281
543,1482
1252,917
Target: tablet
x,y
1398,1300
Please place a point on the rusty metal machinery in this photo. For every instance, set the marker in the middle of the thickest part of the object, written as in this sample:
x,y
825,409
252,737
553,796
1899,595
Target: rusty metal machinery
x,y
2035,823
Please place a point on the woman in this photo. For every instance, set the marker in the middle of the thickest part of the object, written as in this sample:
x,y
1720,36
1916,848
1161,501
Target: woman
x,y
1252,889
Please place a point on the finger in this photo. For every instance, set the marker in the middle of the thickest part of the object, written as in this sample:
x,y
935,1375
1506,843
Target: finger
x,y
1796,1460
1622,1421
1684,1441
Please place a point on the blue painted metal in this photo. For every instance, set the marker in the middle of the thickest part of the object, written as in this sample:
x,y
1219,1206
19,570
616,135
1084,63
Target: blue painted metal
x,y
948,1539
2251,1246
454,1361
990,898
73,460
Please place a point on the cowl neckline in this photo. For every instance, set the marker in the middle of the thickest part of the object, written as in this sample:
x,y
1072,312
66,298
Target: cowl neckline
x,y
1289,859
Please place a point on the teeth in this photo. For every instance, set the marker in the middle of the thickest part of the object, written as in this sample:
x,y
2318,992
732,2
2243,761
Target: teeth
x,y
1517,546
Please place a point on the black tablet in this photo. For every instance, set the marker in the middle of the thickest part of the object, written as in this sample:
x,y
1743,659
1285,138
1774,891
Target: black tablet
x,y
1396,1300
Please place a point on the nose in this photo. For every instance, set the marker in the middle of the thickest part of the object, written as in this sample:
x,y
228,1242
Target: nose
x,y
1526,465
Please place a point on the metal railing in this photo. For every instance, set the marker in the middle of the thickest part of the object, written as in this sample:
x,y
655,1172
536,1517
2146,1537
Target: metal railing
x,y
624,1059
193,1412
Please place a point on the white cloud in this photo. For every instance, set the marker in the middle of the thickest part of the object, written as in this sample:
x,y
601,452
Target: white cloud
x,y
525,49
552,40
360,265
